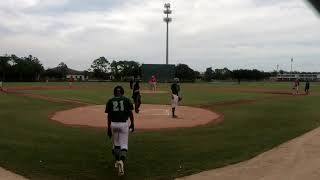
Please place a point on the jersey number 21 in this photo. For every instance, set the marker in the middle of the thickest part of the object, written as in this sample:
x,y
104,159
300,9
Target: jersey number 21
x,y
116,105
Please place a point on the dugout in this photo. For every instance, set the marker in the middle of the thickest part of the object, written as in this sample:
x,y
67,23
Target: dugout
x,y
163,72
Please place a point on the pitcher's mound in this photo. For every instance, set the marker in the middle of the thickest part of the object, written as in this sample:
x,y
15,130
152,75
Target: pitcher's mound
x,y
150,117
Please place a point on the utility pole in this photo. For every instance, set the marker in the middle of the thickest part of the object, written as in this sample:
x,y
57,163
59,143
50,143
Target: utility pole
x,y
167,19
291,68
291,65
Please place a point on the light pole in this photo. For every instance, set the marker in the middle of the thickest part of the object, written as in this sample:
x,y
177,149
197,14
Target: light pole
x,y
167,19
291,65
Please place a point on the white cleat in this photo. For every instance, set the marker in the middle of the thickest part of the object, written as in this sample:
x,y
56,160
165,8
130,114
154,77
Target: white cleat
x,y
120,168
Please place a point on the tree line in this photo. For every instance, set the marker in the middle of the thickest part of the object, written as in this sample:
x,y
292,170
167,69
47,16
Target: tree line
x,y
14,68
238,74
102,68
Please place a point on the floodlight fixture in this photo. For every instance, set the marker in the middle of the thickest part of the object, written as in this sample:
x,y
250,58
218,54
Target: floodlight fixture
x,y
167,20
167,5
167,11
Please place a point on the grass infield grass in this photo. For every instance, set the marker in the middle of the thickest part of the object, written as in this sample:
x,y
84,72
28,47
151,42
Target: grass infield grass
x,y
38,148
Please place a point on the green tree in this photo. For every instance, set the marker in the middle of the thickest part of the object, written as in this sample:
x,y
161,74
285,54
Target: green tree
x,y
209,74
115,70
185,73
4,66
34,68
249,74
237,74
197,74
123,69
62,70
100,67
19,66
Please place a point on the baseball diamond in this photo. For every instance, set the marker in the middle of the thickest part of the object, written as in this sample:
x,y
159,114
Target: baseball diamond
x,y
234,123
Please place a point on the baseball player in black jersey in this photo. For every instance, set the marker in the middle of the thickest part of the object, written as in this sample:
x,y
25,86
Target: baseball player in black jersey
x,y
1,88
175,98
307,87
136,96
119,109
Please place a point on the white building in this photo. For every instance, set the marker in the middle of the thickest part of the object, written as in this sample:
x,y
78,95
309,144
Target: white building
x,y
77,77
290,77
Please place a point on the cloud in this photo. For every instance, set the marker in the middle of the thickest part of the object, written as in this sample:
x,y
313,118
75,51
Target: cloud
x,y
18,5
204,33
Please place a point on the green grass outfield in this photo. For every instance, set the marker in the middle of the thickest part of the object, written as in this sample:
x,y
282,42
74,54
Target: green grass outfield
x,y
38,148
193,94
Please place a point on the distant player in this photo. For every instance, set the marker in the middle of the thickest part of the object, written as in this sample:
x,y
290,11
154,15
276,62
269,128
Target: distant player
x,y
175,98
296,87
131,84
136,96
119,109
71,80
307,87
153,83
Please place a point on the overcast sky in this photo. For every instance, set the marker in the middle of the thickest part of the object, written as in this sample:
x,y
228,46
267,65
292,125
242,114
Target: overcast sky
x,y
204,33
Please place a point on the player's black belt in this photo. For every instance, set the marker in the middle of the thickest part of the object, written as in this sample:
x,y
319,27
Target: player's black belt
x,y
122,121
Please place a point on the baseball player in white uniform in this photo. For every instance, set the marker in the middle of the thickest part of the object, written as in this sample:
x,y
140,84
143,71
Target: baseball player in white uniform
x,y
119,109
175,98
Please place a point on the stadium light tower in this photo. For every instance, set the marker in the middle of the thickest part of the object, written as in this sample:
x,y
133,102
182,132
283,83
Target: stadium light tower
x,y
167,19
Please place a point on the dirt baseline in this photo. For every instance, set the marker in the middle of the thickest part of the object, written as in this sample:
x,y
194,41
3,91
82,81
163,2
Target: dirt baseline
x,y
150,117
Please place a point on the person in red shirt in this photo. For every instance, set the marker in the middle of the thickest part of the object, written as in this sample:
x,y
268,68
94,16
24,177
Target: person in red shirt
x,y
153,83
296,87
71,80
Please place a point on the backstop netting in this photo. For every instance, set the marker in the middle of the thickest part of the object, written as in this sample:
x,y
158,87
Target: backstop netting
x,y
163,72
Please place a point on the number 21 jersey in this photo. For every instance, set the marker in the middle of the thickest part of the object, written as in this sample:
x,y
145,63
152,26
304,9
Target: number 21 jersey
x,y
119,109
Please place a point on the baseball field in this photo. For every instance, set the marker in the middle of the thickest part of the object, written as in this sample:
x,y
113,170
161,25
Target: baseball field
x,y
255,117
